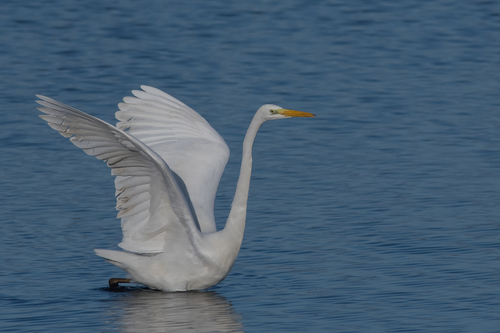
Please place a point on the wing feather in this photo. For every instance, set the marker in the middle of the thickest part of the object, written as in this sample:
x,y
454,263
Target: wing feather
x,y
149,198
194,151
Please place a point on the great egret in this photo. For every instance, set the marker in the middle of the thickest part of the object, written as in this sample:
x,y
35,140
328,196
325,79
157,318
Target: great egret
x,y
168,162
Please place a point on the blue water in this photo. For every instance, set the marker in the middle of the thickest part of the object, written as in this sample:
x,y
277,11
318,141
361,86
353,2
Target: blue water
x,y
380,215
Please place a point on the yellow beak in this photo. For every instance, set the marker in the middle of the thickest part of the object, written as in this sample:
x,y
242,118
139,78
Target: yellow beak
x,y
293,113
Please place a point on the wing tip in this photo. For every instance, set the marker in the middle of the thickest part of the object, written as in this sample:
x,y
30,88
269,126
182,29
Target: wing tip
x,y
41,99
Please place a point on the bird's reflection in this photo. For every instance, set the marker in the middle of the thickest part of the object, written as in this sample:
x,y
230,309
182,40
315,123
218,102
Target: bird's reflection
x,y
146,310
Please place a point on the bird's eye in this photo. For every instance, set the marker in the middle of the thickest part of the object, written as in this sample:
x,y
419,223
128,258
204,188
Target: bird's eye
x,y
273,111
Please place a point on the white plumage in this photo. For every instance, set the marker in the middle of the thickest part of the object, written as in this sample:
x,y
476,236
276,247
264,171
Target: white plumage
x,y
168,162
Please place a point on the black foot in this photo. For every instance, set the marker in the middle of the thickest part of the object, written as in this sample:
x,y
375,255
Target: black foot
x,y
114,282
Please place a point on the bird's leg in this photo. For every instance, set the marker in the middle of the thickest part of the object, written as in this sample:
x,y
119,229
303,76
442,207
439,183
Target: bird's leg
x,y
113,282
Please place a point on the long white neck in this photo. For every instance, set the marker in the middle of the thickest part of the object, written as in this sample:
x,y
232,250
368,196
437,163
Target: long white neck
x,y
235,225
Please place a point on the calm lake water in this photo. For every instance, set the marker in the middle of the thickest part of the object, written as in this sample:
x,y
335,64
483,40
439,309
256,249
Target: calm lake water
x,y
380,215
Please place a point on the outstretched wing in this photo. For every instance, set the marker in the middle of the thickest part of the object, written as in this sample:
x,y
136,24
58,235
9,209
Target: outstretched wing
x,y
186,142
152,205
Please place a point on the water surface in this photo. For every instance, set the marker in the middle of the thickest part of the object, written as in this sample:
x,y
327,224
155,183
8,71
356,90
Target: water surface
x,y
380,215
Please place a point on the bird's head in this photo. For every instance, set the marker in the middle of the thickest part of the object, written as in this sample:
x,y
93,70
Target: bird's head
x,y
271,112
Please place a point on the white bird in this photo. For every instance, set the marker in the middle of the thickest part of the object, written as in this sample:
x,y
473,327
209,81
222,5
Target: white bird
x,y
168,162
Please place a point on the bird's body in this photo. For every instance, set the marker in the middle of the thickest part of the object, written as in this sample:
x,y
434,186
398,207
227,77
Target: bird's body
x,y
168,162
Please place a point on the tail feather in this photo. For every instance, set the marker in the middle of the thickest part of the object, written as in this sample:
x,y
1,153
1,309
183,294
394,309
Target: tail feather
x,y
118,258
